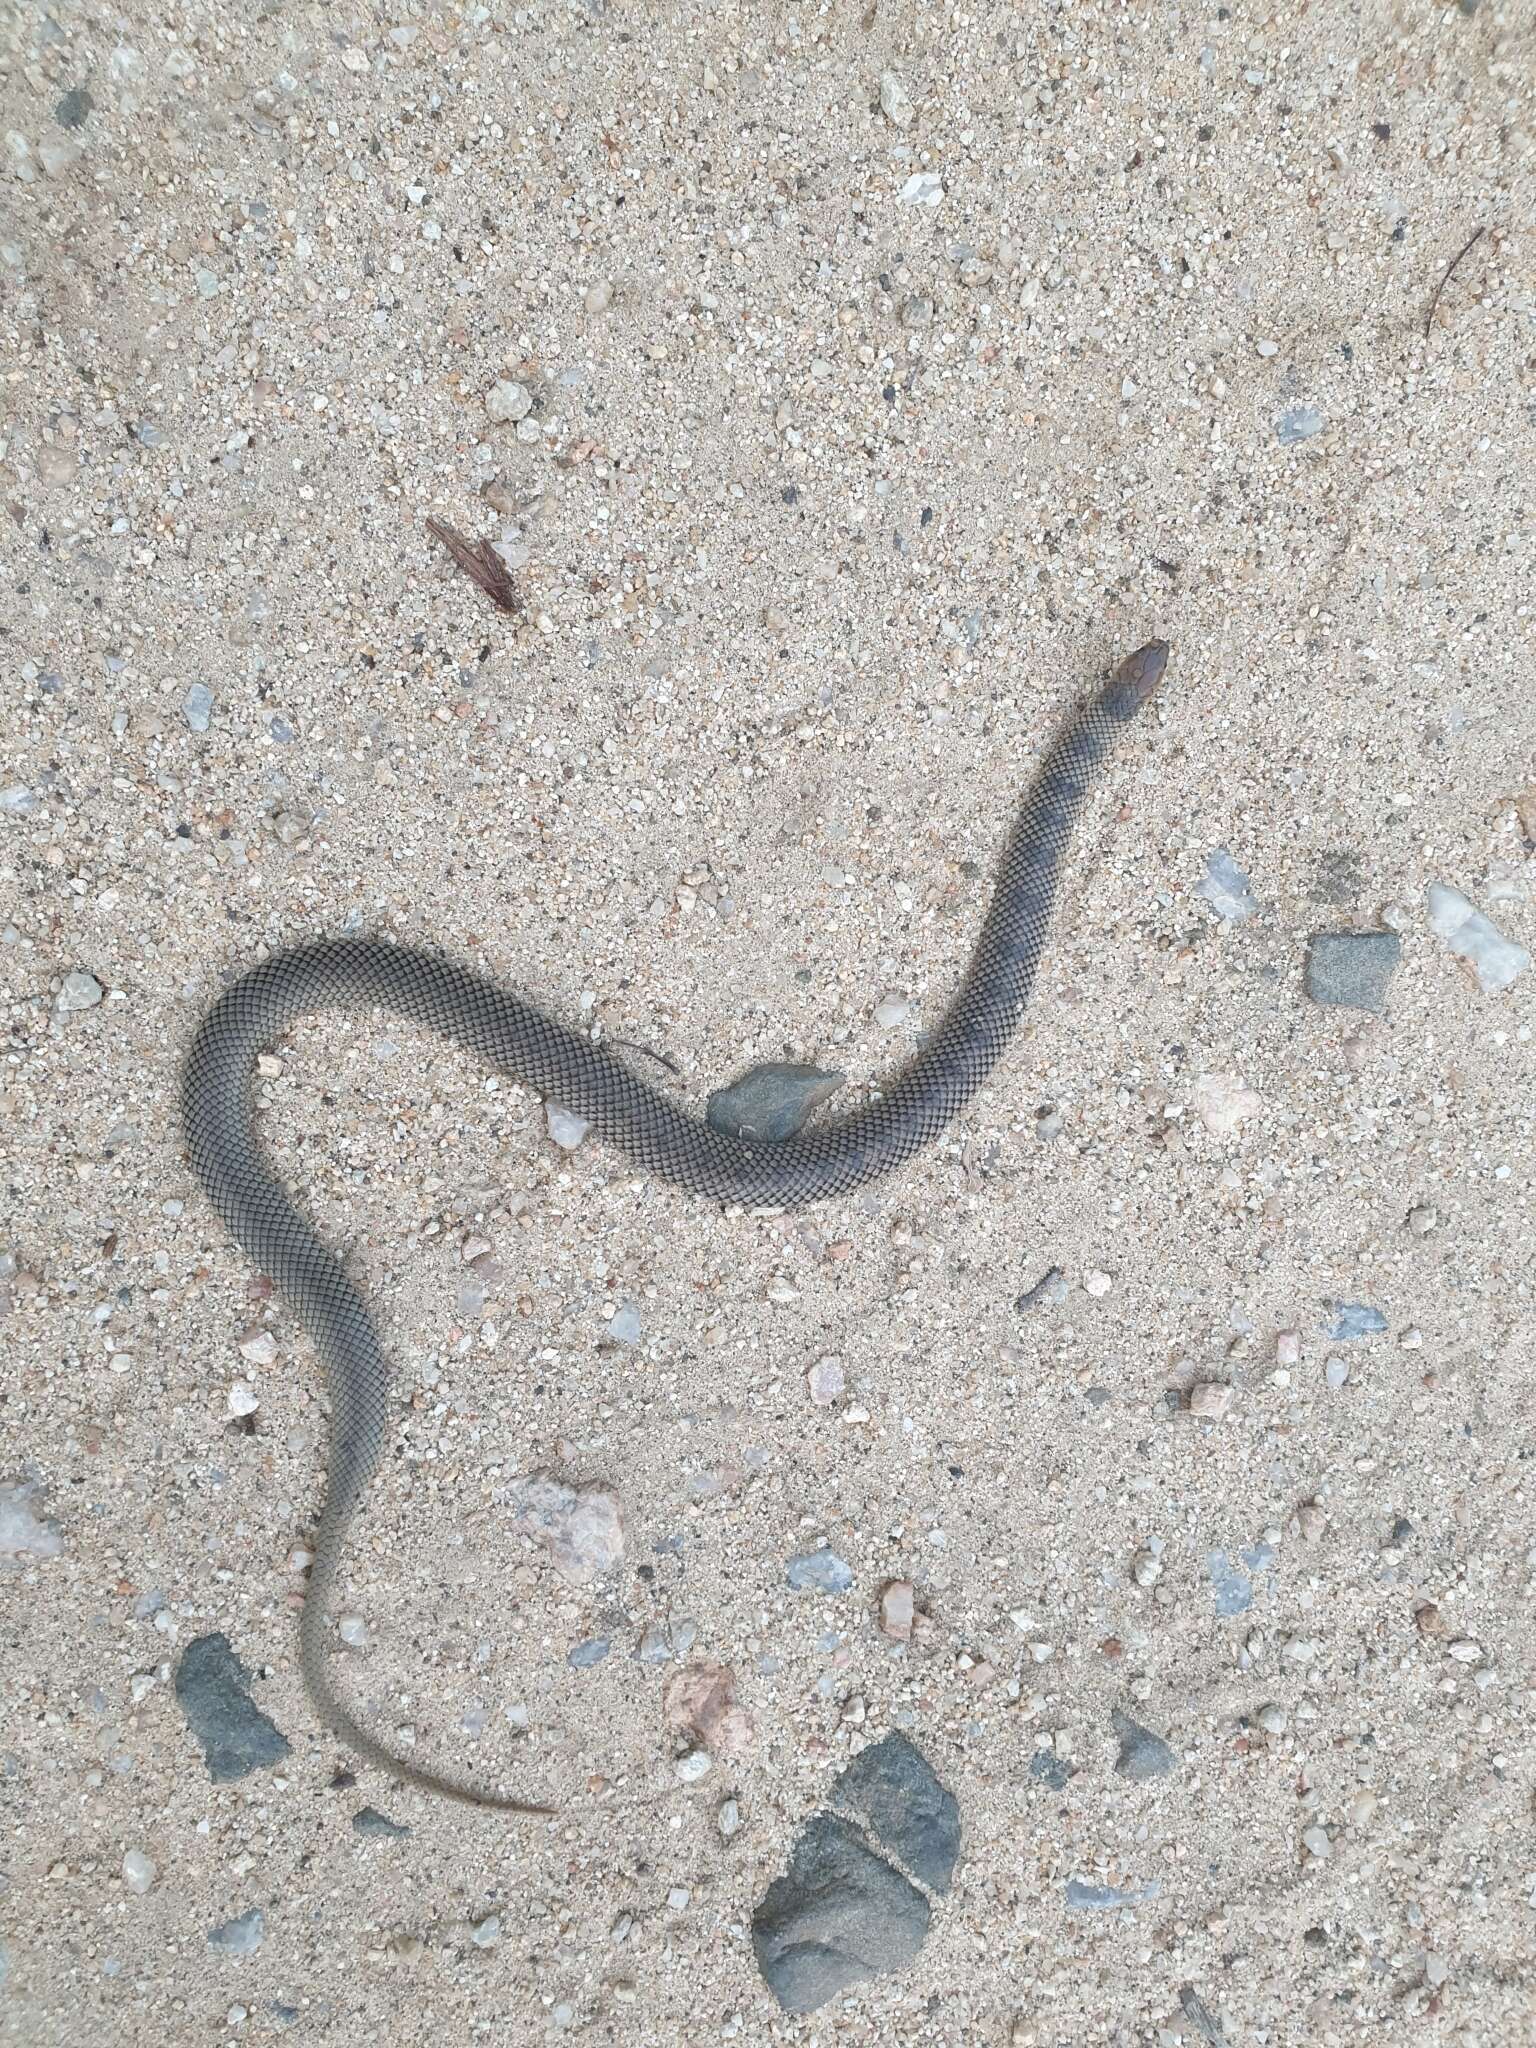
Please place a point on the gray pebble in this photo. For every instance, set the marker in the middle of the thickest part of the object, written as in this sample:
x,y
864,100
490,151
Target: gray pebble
x,y
80,991
1142,1755
1336,1372
240,1937
506,402
197,707
1231,1577
1298,423
148,435
213,1690
585,1655
770,1101
369,1821
1352,968
1225,887
819,1571
1048,1769
624,1325
839,1916
892,1788
1352,1319
1100,1898
74,109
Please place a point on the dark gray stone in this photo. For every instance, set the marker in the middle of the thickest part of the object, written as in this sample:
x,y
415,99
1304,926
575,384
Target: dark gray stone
x,y
213,1689
892,1788
369,1821
1352,968
1142,1754
838,1916
74,108
1049,1769
770,1101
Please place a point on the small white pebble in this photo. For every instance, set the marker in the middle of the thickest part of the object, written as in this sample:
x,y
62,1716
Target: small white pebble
x,y
599,296
1272,1719
243,1398
1098,1285
1336,1372
891,1011
565,1127
695,1765
728,1819
138,1871
1464,1650
1362,1806
1210,1401
487,1932
1288,1347
506,402
678,1897
1317,1842
353,1631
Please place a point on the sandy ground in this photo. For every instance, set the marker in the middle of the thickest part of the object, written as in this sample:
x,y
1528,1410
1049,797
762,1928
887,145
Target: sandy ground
x,y
827,501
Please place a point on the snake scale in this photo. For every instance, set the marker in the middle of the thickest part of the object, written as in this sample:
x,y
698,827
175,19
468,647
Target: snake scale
x,y
661,1138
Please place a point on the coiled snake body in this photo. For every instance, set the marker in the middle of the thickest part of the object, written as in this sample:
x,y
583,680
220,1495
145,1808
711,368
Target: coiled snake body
x,y
662,1139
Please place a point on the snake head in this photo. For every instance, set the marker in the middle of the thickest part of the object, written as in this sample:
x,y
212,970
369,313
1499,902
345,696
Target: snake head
x,y
1134,681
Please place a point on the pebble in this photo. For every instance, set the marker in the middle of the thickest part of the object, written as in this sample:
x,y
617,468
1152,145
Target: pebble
x,y
1231,1578
1142,1755
1317,1842
241,1937
1422,1220
487,1932
259,1347
213,1690
838,1916
1272,1719
1103,1898
74,108
598,297
1298,423
728,1818
1288,1347
565,1127
1354,1319
1210,1401
138,1872
897,1606
700,1702
583,1532
1464,1650
79,991
819,1571
771,1101
624,1325
1050,1770
892,1011
506,402
24,1531
1225,887
243,1398
585,1655
369,1821
894,103
1222,1102
1496,960
1311,1521
1352,969
1097,1285
679,1898
353,1630
197,707
697,1764
1336,1372
825,1380
923,188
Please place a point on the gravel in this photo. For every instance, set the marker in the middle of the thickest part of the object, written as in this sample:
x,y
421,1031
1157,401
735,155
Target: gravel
x,y
1496,961
1142,1755
241,1936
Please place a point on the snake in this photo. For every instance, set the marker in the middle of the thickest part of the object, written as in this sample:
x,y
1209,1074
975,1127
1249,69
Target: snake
x,y
511,1035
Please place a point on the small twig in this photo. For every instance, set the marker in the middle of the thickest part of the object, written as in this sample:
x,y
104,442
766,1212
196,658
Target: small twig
x,y
480,563
1472,240
632,1045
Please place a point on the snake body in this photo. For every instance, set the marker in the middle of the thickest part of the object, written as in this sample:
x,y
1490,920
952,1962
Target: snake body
x,y
509,1034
